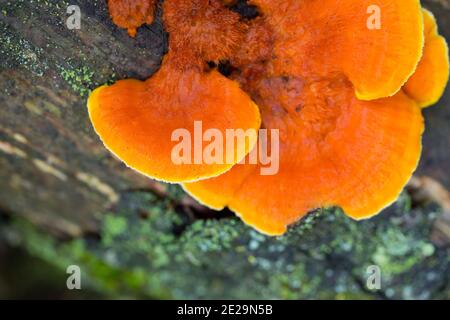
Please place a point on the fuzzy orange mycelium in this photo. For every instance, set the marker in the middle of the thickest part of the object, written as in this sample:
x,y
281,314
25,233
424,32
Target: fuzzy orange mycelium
x,y
202,30
136,120
257,49
428,83
349,136
131,14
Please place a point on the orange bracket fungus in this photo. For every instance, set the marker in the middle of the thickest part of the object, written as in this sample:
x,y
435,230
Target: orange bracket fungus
x,y
137,120
343,82
428,83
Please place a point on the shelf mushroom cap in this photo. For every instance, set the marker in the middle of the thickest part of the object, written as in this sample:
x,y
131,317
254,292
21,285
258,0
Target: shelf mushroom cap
x,y
344,93
331,36
428,83
337,151
136,120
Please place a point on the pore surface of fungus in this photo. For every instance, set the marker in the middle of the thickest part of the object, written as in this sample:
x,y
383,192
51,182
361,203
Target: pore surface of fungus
x,y
324,74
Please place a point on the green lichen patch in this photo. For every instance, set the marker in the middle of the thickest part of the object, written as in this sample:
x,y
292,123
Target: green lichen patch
x,y
17,51
80,79
149,249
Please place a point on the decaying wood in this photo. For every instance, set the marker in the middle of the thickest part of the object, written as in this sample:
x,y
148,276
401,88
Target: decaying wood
x,y
53,169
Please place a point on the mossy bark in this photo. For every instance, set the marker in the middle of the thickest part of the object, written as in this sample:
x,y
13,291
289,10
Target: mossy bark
x,y
68,201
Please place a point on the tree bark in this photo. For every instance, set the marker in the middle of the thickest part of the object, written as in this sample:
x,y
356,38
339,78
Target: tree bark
x,y
54,170
57,178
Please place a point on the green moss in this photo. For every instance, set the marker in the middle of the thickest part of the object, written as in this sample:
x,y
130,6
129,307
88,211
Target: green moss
x,y
164,255
175,192
398,252
80,79
114,226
